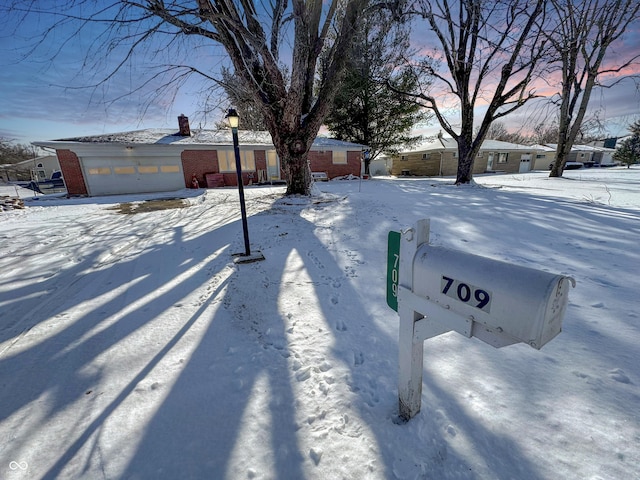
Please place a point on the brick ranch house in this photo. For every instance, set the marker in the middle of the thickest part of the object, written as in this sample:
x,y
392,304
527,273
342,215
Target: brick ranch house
x,y
439,157
156,160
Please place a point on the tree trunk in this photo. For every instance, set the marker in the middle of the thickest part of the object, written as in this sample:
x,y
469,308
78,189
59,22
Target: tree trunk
x,y
466,155
561,153
293,151
465,167
298,174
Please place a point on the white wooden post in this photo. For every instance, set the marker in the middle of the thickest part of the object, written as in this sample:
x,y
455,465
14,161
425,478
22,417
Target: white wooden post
x,y
410,352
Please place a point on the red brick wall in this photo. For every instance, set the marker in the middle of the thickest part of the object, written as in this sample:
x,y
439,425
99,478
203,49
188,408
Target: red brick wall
x,y
323,162
72,173
199,162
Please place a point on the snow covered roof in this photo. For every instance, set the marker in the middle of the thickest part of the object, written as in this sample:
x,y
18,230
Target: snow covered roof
x,y
437,143
498,145
41,159
582,148
448,143
543,148
158,136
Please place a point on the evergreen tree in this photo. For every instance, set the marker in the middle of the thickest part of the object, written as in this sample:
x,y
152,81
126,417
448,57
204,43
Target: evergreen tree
x,y
629,150
366,110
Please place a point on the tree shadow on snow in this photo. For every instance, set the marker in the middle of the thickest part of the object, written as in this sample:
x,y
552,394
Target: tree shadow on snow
x,y
252,398
249,397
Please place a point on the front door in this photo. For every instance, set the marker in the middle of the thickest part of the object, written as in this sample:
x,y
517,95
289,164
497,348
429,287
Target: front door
x,y
490,162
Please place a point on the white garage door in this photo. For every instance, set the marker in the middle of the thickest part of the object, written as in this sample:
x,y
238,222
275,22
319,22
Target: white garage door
x,y
117,175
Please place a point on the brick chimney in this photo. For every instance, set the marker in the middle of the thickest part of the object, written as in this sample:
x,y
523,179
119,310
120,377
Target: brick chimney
x,y
183,125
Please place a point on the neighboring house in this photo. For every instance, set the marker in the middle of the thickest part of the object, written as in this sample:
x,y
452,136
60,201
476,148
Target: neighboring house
x,y
440,158
580,153
545,155
588,155
156,160
39,169
604,156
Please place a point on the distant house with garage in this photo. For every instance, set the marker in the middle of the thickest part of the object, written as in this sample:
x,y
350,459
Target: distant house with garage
x,y
439,157
155,160
588,155
38,169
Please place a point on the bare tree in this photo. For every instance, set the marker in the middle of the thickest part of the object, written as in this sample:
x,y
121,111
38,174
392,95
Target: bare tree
x,y
497,131
544,133
241,97
491,50
253,35
11,152
582,40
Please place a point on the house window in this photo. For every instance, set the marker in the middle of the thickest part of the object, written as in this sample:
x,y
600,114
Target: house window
x,y
455,154
124,170
502,157
403,158
541,155
100,171
424,156
582,155
227,160
339,158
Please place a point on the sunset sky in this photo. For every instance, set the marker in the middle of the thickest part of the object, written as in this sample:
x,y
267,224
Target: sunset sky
x,y
48,94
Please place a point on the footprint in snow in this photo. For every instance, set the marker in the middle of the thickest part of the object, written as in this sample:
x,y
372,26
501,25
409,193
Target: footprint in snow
x,y
315,260
303,374
341,326
358,358
315,455
619,376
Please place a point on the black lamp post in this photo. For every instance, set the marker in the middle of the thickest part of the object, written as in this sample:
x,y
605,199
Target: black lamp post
x,y
232,117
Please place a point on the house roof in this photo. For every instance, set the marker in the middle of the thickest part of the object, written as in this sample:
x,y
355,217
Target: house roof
x,y
448,143
38,160
157,136
498,145
583,148
543,148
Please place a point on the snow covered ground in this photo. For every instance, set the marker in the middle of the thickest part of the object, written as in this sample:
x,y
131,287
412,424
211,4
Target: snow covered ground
x,y
132,347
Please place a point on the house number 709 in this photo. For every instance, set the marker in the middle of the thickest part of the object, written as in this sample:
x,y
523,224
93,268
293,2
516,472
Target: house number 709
x,y
466,293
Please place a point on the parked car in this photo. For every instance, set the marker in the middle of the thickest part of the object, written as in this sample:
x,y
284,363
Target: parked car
x,y
570,165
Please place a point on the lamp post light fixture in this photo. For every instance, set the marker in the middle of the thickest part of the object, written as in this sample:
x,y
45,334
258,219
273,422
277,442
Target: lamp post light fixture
x,y
246,257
